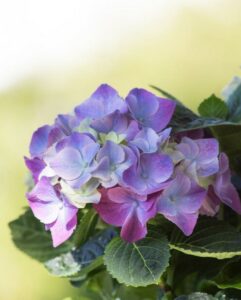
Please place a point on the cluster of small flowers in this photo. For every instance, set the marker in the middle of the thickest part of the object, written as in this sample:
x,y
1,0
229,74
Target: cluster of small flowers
x,y
121,157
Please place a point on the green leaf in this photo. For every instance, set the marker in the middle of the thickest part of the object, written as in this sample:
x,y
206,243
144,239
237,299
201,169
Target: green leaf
x,y
86,227
138,264
183,124
211,238
229,276
213,107
232,94
191,274
30,236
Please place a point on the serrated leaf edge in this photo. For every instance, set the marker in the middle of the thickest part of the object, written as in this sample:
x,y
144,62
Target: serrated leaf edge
x,y
218,255
136,285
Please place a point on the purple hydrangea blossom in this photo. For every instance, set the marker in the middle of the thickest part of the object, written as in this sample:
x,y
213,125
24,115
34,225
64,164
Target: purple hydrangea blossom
x,y
66,123
149,174
125,209
115,124
200,157
211,203
180,202
121,157
222,186
52,208
35,166
40,141
104,101
112,161
148,141
149,110
73,160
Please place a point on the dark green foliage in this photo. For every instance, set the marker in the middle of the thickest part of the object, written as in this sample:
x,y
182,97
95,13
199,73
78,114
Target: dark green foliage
x,y
30,236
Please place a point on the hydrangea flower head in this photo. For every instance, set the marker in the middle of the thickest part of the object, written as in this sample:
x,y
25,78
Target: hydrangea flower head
x,y
122,157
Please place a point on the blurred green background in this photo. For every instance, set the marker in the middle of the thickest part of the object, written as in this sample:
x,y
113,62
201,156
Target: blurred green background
x,y
193,56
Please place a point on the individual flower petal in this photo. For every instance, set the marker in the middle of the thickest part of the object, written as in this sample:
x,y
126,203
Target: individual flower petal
x,y
150,174
132,230
200,156
149,110
36,166
164,136
104,101
43,191
115,121
211,203
120,207
180,202
146,140
39,141
64,226
68,163
112,161
88,193
223,187
76,140
55,135
132,130
149,141
72,159
186,222
53,209
44,201
45,212
66,123
43,138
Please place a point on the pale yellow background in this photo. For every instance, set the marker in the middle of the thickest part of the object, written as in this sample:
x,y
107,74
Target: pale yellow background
x,y
191,56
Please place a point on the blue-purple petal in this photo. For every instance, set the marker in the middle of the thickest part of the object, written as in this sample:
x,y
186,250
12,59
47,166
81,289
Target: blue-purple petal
x,y
104,101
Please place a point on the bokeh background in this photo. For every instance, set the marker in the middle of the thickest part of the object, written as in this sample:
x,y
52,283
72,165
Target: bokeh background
x,y
54,53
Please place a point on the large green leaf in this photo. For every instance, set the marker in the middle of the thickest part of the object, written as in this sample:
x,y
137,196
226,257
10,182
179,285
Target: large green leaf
x,y
191,274
30,236
229,276
138,264
211,238
213,107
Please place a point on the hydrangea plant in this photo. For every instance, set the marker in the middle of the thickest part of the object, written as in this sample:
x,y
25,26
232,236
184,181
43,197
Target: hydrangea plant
x,y
138,198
